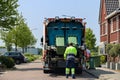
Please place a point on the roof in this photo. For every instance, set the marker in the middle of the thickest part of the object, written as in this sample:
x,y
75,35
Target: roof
x,y
111,6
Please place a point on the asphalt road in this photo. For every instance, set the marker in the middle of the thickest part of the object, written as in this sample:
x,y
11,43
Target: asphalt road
x,y
34,71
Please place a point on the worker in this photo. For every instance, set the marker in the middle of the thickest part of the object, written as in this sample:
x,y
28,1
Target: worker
x,y
87,53
69,56
86,57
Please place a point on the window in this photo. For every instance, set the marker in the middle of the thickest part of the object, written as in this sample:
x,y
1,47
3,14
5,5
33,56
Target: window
x,y
6,54
72,40
111,25
104,28
100,30
114,24
59,41
15,54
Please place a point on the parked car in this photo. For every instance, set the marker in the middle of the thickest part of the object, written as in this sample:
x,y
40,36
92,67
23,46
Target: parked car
x,y
18,57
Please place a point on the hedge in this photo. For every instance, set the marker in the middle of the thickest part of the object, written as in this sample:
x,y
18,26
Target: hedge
x,y
7,61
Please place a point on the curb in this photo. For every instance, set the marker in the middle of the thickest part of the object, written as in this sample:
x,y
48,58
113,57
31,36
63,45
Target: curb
x,y
91,74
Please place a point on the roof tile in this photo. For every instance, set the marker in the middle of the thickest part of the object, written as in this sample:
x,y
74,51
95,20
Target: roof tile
x,y
111,5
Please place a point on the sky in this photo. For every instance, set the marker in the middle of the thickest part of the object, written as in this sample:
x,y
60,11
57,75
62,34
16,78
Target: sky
x,y
34,12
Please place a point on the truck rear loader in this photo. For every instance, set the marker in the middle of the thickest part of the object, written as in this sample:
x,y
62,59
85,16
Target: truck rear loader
x,y
57,34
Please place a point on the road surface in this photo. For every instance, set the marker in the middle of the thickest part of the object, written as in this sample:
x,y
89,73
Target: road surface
x,y
34,71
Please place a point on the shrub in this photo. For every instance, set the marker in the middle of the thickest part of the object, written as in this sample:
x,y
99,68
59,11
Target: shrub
x,y
31,57
94,54
102,59
7,61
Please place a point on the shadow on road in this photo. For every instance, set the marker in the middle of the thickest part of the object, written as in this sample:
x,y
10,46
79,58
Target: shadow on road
x,y
97,72
36,62
83,75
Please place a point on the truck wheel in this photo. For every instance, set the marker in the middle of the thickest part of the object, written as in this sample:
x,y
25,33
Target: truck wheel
x,y
17,62
46,71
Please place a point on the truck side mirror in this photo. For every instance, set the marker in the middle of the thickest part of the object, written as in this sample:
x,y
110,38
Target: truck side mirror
x,y
41,39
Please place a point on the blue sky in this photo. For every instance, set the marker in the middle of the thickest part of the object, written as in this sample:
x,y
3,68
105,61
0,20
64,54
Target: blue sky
x,y
34,11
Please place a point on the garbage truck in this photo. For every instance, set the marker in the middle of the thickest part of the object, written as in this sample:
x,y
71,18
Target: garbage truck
x,y
57,34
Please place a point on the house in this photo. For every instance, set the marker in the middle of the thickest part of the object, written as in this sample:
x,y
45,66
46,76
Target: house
x,y
109,20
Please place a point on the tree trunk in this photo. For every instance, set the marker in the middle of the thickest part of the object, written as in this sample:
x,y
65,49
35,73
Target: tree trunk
x,y
23,49
16,47
9,47
114,59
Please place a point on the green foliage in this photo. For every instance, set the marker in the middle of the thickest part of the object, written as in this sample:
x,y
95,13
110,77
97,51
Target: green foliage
x,y
109,47
40,51
23,34
6,37
113,49
90,39
31,57
20,35
102,59
7,61
14,29
117,49
2,47
93,54
96,49
8,11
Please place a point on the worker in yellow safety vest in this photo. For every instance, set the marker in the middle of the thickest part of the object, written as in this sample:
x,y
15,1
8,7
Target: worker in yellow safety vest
x,y
69,56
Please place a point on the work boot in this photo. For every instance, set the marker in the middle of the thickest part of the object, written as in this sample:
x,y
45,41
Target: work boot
x,y
73,76
67,75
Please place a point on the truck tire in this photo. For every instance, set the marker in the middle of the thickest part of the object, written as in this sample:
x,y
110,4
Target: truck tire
x,y
47,71
17,62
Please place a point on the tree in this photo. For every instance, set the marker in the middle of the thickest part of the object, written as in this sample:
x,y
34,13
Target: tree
x,y
108,48
14,35
14,31
8,12
25,36
90,39
109,51
117,49
6,37
113,50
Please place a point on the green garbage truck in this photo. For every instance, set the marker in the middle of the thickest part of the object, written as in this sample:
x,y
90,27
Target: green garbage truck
x,y
57,34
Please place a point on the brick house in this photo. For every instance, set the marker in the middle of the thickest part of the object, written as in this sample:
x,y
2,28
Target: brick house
x,y
109,20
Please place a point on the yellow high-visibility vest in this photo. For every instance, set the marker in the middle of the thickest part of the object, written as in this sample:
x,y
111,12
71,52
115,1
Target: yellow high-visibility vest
x,y
70,50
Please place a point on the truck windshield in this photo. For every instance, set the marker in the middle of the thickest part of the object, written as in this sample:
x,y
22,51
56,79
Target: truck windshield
x,y
72,39
59,41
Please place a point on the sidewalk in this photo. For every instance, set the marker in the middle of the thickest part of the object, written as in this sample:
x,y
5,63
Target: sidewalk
x,y
104,74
